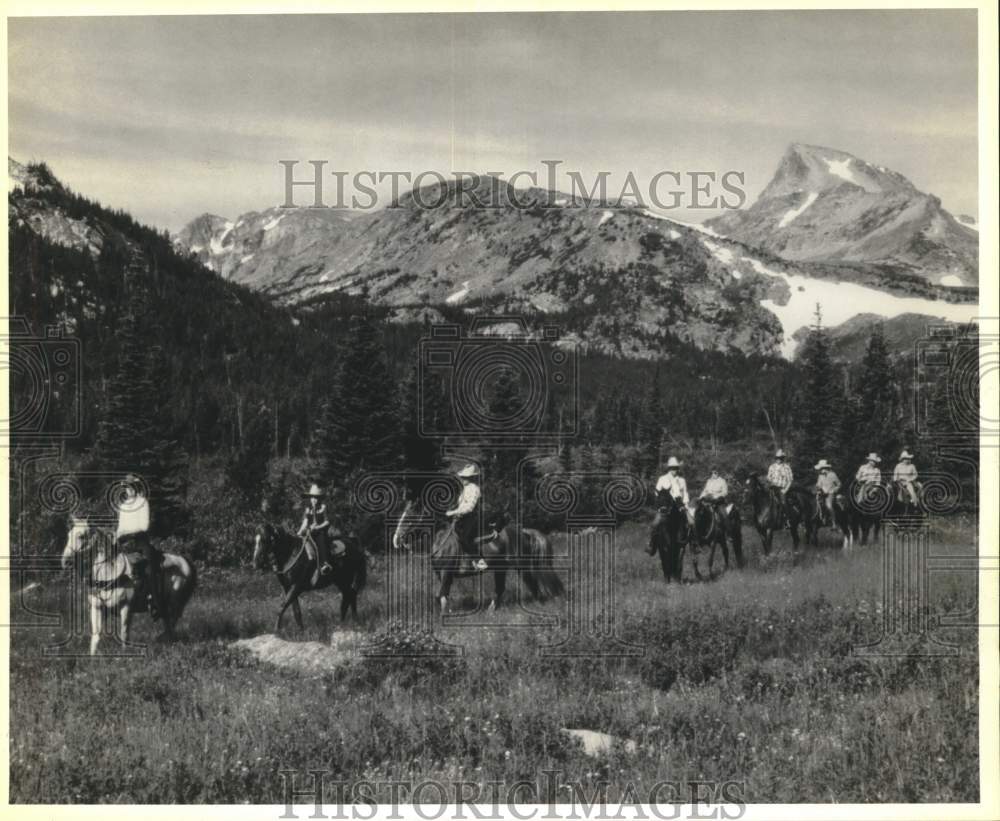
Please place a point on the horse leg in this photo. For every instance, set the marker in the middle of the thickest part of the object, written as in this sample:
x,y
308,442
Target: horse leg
x,y
297,612
125,615
345,602
96,625
499,586
290,596
444,590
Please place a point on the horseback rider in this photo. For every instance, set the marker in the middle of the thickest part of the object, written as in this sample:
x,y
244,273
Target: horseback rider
x,y
869,472
905,475
779,478
132,536
465,516
827,485
313,531
716,490
674,485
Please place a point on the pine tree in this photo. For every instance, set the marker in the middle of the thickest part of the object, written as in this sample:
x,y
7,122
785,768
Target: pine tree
x,y
247,467
136,434
422,413
877,420
358,425
650,432
820,400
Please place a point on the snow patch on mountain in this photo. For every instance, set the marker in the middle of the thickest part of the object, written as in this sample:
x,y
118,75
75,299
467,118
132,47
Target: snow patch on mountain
x,y
273,222
842,169
840,301
797,212
606,216
724,255
459,295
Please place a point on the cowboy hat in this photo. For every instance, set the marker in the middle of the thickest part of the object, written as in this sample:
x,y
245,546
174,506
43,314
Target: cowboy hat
x,y
314,490
873,457
906,455
821,464
779,454
468,472
673,462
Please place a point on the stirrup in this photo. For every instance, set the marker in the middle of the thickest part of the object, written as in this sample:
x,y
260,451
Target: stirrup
x,y
480,565
326,569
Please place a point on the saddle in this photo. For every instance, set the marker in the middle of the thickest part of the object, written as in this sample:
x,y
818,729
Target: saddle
x,y
105,574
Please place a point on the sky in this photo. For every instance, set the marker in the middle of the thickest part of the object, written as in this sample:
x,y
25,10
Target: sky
x,y
171,117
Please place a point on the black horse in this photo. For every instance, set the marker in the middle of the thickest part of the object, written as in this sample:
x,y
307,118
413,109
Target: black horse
x,y
871,502
669,536
768,516
713,526
286,554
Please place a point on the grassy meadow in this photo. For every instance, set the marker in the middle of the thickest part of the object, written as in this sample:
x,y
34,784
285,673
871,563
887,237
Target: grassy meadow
x,y
754,677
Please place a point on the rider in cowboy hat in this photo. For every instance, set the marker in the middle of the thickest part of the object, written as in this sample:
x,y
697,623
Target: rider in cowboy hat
x,y
827,485
779,477
869,472
905,474
313,530
464,515
673,484
132,535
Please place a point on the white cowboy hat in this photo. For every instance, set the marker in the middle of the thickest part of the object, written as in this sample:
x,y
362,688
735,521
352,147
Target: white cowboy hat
x,y
906,455
822,463
672,462
873,457
314,490
779,454
468,472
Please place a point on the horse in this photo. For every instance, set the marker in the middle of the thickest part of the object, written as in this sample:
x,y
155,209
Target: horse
x,y
844,519
294,569
871,502
505,547
112,586
713,526
669,536
767,514
902,506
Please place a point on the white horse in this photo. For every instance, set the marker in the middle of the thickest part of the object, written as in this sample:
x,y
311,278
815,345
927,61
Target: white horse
x,y
111,584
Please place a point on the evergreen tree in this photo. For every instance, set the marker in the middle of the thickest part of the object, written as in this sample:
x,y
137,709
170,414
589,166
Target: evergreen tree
x,y
358,425
821,400
136,434
877,422
651,427
247,467
422,412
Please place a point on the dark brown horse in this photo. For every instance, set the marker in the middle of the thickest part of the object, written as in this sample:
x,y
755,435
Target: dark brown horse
x,y
819,515
714,526
294,569
504,546
669,536
768,516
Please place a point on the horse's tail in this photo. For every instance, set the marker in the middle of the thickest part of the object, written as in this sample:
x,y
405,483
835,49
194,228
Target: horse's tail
x,y
540,549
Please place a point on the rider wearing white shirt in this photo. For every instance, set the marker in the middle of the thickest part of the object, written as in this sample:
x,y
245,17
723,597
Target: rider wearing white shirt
x,y
675,486
465,515
133,530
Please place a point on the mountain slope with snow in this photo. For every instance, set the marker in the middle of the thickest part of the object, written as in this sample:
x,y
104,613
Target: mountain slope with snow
x,y
825,205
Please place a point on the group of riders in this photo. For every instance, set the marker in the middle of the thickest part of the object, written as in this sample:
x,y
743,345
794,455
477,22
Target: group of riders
x,y
319,535
672,486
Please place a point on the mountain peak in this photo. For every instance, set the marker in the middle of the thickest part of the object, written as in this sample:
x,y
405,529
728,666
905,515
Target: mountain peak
x,y
826,205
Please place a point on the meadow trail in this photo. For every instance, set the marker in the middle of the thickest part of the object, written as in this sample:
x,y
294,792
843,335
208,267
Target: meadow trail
x,y
759,676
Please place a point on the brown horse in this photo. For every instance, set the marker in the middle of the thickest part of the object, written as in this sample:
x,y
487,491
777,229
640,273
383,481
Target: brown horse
x,y
505,547
286,554
713,526
768,515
